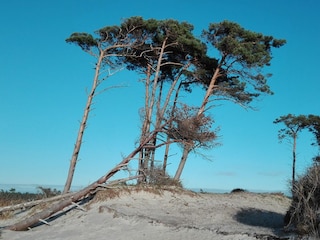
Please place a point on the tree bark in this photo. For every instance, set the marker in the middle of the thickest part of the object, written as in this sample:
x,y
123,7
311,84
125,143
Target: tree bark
x,y
77,146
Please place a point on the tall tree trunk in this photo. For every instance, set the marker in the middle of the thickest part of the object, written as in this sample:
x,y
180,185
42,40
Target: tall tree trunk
x,y
77,146
146,152
145,126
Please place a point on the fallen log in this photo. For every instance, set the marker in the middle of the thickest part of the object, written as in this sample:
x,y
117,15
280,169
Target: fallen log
x,y
75,197
44,214
31,204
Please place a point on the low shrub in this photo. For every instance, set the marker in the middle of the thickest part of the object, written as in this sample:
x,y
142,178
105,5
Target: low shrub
x,y
238,190
157,176
303,215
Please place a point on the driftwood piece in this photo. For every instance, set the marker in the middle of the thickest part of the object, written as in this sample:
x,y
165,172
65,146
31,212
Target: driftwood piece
x,y
54,208
44,221
78,206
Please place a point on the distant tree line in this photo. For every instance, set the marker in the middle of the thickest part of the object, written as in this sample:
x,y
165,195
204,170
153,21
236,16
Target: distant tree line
x,y
11,196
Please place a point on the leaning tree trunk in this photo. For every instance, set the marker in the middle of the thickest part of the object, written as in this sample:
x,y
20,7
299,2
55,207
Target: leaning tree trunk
x,y
209,90
187,147
25,224
186,151
77,146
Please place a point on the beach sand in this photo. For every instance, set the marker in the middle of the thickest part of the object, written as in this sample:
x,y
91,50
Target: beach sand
x,y
164,214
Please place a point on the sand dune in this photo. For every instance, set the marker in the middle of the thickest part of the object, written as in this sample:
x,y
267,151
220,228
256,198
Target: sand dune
x,y
165,214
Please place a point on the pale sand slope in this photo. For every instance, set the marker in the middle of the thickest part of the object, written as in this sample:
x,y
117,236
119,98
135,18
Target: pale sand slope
x,y
170,215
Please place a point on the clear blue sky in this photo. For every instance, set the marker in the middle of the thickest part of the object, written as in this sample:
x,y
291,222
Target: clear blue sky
x,y
43,83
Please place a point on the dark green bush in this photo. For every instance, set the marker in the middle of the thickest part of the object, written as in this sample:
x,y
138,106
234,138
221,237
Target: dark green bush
x,y
238,190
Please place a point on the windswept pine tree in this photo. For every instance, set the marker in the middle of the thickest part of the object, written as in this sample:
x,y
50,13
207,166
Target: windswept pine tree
x,y
236,73
109,46
293,126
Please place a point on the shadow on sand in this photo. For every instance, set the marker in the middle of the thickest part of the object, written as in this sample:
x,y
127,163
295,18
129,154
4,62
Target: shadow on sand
x,y
261,218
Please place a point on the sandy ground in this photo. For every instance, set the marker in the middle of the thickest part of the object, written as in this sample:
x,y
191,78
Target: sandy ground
x,y
166,215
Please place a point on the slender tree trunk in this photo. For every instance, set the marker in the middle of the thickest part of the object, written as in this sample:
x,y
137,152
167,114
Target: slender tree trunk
x,y
158,123
77,146
186,151
165,157
294,160
166,152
